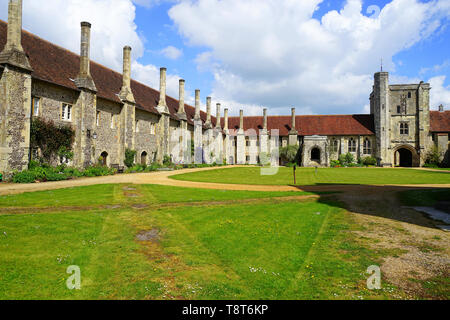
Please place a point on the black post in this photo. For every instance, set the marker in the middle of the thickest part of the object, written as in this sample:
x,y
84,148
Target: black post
x,y
295,180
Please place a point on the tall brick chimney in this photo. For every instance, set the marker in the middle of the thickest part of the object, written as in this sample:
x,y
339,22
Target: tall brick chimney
x,y
265,119
181,112
293,121
13,52
162,105
225,115
241,120
208,124
218,124
84,79
197,105
126,93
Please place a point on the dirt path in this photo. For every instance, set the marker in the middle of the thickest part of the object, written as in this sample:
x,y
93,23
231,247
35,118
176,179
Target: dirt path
x,y
163,178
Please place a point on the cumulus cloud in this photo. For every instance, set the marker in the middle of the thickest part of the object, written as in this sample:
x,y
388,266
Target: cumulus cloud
x,y
171,52
274,53
441,93
113,27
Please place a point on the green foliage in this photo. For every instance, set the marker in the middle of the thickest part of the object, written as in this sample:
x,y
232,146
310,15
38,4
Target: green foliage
x,y
97,171
369,161
24,177
53,141
289,154
130,155
335,163
433,157
347,160
45,173
167,161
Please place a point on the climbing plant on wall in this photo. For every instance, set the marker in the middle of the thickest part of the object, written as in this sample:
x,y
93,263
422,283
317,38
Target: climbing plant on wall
x,y
52,140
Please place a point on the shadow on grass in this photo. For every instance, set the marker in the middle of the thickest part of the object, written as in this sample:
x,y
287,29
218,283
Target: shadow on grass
x,y
391,202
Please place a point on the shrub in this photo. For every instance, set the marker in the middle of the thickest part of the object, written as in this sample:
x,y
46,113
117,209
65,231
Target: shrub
x,y
97,171
347,159
335,163
26,176
433,157
289,154
129,157
167,161
369,161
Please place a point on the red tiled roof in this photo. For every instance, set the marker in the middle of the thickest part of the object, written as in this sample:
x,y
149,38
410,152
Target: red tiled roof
x,y
327,125
57,65
440,121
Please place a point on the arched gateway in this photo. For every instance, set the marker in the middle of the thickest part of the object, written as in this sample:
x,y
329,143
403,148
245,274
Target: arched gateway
x,y
406,156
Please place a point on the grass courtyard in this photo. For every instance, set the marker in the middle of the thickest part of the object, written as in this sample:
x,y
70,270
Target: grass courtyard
x,y
311,176
160,242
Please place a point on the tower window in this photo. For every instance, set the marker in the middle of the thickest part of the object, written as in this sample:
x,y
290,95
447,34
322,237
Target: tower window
x,y
409,95
399,109
367,146
351,145
404,128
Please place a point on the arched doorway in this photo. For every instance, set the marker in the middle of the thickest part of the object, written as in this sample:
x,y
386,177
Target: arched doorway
x,y
405,157
104,158
144,158
315,155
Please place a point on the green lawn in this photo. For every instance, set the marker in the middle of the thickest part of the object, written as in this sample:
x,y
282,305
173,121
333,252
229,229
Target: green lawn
x,y
309,176
109,194
235,250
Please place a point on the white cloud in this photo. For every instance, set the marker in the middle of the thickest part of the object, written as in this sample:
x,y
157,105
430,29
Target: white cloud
x,y
171,52
273,53
440,93
113,27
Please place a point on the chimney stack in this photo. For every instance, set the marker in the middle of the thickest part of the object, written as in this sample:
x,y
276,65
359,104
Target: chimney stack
x,y
225,115
197,105
13,53
126,93
181,112
265,119
84,79
208,113
293,130
241,120
162,105
218,124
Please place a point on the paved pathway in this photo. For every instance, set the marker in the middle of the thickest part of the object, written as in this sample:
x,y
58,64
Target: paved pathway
x,y
162,178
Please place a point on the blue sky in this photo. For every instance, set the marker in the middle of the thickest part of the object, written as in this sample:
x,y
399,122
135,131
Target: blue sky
x,y
316,55
154,23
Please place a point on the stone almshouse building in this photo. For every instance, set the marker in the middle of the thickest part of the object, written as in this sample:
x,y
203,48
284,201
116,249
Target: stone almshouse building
x,y
110,112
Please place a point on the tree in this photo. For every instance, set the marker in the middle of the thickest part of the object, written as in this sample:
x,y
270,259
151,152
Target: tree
x,y
289,154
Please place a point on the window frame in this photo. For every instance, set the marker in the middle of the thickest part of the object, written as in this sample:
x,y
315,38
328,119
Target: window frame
x,y
404,128
367,146
33,109
66,112
352,148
